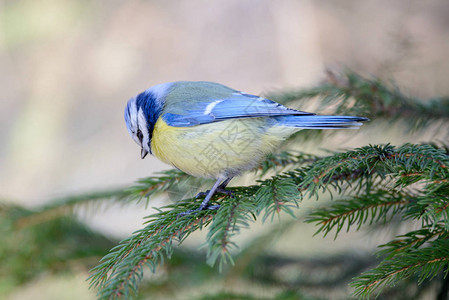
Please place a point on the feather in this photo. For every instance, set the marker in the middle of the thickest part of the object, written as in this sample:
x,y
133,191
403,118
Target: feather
x,y
208,102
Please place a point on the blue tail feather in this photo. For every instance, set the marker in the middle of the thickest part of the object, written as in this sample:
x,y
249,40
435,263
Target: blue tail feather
x,y
321,122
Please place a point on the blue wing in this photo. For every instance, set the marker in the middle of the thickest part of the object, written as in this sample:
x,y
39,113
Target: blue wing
x,y
195,103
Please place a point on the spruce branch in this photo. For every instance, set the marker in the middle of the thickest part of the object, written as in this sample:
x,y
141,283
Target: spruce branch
x,y
163,182
405,166
352,93
57,245
373,162
380,179
276,195
426,262
369,208
380,170
147,187
279,161
120,272
228,221
349,93
413,240
64,206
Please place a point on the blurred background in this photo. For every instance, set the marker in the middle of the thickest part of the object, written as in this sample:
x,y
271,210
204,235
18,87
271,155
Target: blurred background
x,y
68,67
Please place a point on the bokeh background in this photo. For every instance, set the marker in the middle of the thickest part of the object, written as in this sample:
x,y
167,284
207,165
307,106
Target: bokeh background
x,y
68,67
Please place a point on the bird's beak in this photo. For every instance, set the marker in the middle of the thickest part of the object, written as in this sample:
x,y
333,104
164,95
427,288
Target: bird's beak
x,y
143,153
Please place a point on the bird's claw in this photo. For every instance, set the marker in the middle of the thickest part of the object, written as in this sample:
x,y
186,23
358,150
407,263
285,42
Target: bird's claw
x,y
218,190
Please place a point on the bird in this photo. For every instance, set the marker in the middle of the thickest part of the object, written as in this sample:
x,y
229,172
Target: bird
x,y
209,130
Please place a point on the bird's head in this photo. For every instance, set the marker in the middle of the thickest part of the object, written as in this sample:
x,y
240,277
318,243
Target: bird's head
x,y
141,114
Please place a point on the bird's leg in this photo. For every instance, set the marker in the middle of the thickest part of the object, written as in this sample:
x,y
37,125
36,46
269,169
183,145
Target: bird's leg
x,y
205,204
220,189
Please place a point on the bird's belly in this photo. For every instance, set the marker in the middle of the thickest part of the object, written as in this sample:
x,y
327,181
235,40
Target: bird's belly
x,y
225,148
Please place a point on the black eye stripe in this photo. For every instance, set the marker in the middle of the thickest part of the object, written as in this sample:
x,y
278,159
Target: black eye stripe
x,y
139,135
151,109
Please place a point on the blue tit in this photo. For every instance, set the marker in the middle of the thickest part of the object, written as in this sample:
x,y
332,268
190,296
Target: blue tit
x,y
209,130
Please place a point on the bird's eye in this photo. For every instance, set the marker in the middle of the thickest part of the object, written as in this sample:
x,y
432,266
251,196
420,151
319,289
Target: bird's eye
x,y
139,135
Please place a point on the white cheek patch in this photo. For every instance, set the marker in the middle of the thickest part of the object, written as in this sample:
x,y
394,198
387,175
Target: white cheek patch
x,y
133,114
132,110
211,106
143,126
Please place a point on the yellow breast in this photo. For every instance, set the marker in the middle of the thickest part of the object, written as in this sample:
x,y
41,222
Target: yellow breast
x,y
225,148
